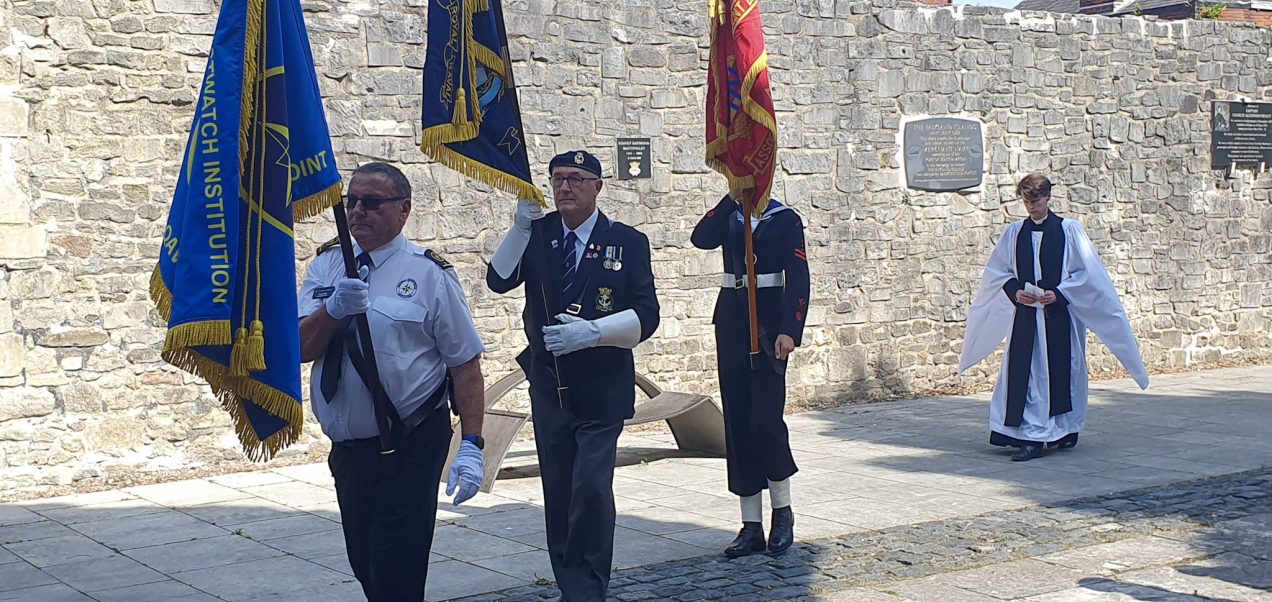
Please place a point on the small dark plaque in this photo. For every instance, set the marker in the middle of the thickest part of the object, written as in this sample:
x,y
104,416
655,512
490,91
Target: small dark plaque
x,y
943,153
633,159
1240,133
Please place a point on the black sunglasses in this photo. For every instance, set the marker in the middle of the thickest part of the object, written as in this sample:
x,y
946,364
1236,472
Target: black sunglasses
x,y
371,204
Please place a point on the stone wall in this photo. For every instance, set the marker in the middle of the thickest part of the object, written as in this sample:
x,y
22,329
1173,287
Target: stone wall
x,y
95,102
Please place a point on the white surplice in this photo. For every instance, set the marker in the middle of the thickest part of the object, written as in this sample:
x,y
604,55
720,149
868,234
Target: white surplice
x,y
1093,304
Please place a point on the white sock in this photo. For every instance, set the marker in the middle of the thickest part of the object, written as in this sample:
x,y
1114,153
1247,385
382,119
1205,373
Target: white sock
x,y
780,493
752,509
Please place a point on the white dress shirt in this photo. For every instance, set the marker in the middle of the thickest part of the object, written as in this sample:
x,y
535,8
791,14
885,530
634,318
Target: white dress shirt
x,y
420,326
583,232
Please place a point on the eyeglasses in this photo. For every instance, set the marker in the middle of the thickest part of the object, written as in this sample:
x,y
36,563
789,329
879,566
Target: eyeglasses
x,y
575,181
367,204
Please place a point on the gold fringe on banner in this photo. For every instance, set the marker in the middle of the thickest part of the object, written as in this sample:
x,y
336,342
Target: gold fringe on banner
x,y
448,133
251,63
314,204
159,295
232,391
485,173
197,334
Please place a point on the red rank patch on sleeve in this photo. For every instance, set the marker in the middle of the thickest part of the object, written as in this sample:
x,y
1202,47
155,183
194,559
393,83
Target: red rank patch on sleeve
x,y
801,255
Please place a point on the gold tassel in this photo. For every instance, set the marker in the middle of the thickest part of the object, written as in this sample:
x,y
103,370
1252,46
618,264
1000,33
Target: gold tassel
x,y
461,108
256,347
238,353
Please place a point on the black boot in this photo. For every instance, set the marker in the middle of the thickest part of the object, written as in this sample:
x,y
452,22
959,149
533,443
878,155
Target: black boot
x,y
782,531
750,540
1028,452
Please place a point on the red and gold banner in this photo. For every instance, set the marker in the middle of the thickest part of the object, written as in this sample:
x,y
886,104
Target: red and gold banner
x,y
741,125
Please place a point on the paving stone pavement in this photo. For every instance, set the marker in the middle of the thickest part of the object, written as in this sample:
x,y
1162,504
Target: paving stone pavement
x,y
1208,539
1165,498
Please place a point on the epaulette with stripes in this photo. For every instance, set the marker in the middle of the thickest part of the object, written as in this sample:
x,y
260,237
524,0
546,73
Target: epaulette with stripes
x,y
327,246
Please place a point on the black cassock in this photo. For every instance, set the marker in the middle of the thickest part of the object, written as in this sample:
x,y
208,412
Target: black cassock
x,y
756,437
577,443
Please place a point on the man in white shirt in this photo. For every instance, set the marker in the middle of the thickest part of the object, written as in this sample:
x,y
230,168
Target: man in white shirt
x,y
425,344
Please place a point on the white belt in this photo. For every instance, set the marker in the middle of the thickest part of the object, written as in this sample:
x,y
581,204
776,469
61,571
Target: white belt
x,y
761,280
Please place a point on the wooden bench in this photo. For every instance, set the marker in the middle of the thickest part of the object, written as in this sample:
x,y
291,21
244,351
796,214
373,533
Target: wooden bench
x,y
696,422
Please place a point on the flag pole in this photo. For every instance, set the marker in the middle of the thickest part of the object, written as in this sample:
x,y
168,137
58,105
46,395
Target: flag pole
x,y
748,206
379,399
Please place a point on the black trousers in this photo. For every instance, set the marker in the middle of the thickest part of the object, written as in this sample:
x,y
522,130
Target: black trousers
x,y
576,461
755,435
388,518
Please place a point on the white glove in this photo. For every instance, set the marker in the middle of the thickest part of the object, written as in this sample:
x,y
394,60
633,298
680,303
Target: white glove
x,y
527,212
619,330
508,255
350,297
466,473
572,334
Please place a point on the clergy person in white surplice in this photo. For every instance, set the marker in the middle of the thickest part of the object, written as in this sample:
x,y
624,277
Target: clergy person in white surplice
x,y
1043,287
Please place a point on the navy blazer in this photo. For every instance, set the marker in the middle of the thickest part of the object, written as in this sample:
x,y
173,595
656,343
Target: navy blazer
x,y
601,380
779,247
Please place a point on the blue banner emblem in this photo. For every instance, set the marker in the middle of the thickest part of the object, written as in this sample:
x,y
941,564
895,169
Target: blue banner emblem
x,y
471,119
258,158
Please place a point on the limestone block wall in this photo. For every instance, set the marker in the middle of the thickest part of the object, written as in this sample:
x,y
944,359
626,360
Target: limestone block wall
x,y
96,98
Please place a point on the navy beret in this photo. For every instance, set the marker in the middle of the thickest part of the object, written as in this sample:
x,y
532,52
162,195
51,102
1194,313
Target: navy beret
x,y
580,159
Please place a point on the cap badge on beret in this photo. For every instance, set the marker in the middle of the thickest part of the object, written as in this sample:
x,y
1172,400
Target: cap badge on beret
x,y
578,158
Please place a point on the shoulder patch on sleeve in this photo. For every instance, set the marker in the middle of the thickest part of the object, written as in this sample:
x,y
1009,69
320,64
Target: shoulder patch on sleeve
x,y
438,259
327,246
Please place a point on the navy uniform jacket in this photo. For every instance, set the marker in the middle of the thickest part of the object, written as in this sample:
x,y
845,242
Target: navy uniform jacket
x,y
779,246
602,380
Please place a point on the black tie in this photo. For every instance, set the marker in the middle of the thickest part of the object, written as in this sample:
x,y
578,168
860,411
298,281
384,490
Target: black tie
x,y
333,362
570,267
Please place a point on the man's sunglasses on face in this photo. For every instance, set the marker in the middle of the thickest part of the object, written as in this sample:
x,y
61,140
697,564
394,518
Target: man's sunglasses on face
x,y
368,204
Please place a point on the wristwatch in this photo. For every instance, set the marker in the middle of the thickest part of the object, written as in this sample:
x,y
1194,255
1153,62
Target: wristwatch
x,y
476,440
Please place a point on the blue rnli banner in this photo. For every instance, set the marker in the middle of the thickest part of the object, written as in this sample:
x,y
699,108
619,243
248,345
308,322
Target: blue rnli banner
x,y
471,120
258,158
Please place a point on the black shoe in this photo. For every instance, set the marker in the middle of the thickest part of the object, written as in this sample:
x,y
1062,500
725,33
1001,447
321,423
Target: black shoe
x,y
1069,442
1028,452
750,540
782,530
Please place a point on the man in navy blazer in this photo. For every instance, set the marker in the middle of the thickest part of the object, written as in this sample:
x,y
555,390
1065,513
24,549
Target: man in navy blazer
x,y
589,300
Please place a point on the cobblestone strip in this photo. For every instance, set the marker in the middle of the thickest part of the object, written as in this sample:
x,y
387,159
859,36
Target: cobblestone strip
x,y
1177,511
